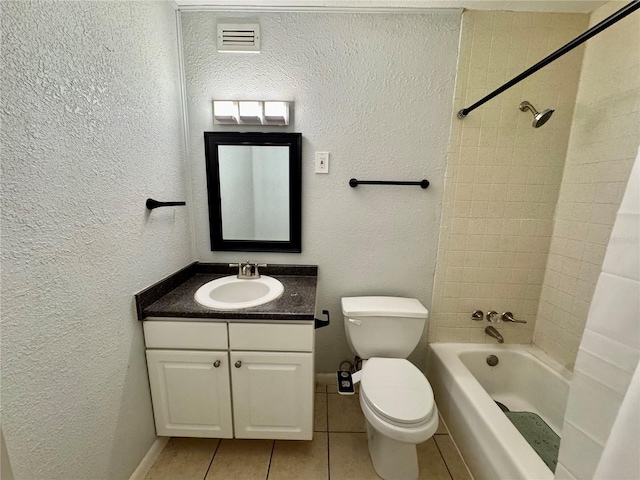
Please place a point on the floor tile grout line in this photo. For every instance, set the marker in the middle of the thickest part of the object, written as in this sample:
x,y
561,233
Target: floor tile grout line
x,y
444,460
273,447
212,457
326,407
348,431
326,404
328,458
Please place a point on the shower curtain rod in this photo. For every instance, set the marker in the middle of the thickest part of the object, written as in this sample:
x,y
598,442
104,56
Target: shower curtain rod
x,y
596,29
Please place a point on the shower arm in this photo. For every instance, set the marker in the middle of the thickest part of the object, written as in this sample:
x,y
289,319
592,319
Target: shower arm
x,y
596,29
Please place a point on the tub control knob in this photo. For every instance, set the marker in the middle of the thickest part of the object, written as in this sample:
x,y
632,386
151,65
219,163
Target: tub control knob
x,y
508,317
493,316
477,315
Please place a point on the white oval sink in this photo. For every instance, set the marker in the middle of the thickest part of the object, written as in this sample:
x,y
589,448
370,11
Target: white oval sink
x,y
233,293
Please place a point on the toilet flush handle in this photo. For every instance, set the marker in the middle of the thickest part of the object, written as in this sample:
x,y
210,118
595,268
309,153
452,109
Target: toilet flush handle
x,y
355,321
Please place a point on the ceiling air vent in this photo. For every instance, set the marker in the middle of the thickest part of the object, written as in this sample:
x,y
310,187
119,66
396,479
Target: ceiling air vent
x,y
238,37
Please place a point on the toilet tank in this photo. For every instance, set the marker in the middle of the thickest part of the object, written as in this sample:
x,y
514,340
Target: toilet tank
x,y
383,326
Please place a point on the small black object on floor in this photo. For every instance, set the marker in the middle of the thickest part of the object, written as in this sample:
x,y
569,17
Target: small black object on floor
x,y
345,383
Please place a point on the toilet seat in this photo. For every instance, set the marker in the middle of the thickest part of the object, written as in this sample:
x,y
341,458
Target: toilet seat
x,y
397,391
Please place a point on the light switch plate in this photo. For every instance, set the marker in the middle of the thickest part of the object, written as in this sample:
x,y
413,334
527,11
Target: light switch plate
x,y
322,162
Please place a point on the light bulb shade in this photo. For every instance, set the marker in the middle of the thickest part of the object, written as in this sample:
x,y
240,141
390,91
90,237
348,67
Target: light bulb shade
x,y
251,112
276,113
225,111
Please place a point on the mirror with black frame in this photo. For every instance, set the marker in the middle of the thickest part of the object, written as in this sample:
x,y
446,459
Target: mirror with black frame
x,y
254,189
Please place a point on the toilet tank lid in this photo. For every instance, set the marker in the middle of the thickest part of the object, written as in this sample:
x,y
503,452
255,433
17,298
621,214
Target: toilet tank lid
x,y
383,307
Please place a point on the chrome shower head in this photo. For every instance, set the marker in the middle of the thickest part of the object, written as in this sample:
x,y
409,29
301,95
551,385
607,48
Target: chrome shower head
x,y
539,118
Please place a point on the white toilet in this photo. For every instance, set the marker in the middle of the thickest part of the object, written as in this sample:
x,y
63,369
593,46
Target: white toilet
x,y
395,396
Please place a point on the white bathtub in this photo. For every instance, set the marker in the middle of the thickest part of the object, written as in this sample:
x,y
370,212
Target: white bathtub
x,y
465,387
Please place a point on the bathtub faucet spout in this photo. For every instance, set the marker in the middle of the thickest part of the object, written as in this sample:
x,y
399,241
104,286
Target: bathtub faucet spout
x,y
492,332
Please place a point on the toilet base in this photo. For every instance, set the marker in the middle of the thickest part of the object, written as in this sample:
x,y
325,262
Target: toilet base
x,y
392,459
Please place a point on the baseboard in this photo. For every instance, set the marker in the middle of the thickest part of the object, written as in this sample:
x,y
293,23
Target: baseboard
x,y
150,458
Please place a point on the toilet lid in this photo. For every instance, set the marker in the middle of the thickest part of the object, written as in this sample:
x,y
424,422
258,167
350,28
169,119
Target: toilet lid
x,y
396,390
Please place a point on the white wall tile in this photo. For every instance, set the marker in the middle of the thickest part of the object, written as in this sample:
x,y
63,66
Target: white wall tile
x,y
507,176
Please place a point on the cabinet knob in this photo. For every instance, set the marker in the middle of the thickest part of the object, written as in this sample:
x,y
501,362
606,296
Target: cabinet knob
x,y
238,364
216,363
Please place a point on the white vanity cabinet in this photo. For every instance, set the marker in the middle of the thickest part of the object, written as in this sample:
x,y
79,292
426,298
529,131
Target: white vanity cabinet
x,y
272,397
191,396
231,379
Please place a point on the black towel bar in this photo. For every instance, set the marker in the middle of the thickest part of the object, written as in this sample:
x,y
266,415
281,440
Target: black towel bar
x,y
151,204
355,182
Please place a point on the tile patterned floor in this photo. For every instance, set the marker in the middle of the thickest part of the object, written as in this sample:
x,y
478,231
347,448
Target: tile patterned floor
x,y
338,451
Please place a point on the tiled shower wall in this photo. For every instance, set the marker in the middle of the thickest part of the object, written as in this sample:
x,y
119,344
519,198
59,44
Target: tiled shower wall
x,y
503,176
604,140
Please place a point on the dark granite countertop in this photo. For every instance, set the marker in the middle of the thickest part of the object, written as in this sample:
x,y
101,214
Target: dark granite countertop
x,y
173,296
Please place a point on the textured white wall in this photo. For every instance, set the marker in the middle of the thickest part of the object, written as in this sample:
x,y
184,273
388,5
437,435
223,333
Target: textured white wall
x,y
90,128
376,91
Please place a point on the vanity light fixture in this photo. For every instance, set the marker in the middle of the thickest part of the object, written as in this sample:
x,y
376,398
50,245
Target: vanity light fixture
x,y
225,112
276,113
250,112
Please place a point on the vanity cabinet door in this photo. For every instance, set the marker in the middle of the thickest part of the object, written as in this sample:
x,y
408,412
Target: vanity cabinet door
x,y
272,395
190,393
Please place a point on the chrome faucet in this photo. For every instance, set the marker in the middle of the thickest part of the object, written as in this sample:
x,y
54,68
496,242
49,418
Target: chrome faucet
x,y
248,270
508,317
492,332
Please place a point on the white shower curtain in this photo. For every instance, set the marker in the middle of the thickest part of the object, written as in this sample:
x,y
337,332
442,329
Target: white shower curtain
x,y
620,456
601,432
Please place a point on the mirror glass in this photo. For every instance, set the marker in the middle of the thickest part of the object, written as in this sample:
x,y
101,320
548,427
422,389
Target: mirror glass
x,y
254,192
253,182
